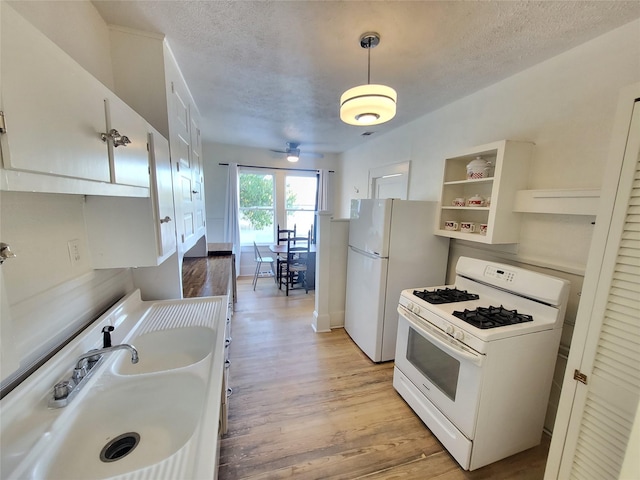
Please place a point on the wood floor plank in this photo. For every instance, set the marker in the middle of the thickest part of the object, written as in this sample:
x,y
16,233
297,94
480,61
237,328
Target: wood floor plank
x,y
313,406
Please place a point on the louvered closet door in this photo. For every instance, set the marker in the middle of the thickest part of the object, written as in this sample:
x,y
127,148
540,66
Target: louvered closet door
x,y
604,409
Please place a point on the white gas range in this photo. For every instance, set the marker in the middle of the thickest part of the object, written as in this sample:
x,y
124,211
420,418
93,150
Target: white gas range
x,y
475,360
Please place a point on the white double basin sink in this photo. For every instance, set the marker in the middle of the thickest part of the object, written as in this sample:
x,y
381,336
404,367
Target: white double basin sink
x,y
158,418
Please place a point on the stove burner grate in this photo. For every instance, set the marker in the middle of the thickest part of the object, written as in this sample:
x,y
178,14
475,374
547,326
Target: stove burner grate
x,y
492,317
445,295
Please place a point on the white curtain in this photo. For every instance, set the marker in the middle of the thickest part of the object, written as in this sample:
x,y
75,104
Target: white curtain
x,y
232,212
324,203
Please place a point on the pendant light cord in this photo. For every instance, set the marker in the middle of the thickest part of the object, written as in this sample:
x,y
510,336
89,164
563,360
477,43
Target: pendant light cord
x,y
369,61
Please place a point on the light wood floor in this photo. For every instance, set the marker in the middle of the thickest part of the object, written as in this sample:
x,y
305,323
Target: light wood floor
x,y
313,406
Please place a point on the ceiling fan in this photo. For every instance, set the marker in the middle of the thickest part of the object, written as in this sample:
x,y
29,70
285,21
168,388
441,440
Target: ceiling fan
x,y
293,152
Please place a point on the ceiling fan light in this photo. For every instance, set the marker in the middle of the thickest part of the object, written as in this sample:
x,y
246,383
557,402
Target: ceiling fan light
x,y
292,157
368,105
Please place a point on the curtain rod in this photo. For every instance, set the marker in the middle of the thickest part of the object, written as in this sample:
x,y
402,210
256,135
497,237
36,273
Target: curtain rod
x,y
279,168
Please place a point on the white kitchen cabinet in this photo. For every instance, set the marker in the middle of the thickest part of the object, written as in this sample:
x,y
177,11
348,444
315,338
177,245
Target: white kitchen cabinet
x,y
162,192
509,172
147,77
53,108
129,162
135,232
56,114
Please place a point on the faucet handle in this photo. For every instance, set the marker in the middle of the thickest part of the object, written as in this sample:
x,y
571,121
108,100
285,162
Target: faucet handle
x,y
61,390
91,361
79,372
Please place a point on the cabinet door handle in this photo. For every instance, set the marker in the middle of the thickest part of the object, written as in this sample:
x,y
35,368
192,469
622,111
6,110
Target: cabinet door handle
x,y
117,139
195,192
5,252
166,219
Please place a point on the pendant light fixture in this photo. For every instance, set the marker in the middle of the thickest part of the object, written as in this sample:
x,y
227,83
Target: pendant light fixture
x,y
368,104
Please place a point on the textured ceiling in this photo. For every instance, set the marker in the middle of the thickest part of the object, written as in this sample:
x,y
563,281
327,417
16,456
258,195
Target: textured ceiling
x,y
266,72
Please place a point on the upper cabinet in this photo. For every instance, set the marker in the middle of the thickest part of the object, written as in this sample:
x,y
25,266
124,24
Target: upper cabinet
x,y
135,232
147,77
127,143
162,193
477,198
56,118
54,109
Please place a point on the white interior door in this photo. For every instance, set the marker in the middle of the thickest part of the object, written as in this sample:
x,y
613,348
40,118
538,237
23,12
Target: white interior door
x,y
390,181
181,155
602,405
390,187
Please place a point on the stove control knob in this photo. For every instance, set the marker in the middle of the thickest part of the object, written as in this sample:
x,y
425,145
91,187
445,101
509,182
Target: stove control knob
x,y
449,329
416,309
410,306
459,335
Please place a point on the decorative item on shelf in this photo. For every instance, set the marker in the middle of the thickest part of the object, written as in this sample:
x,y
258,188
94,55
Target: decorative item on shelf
x,y
487,202
483,229
476,201
450,225
459,202
368,104
467,227
478,168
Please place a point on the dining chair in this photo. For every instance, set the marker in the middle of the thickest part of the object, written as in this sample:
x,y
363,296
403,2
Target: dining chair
x,y
284,234
282,237
293,269
259,261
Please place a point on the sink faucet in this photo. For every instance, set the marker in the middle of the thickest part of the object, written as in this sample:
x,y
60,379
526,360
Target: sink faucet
x,y
94,353
63,392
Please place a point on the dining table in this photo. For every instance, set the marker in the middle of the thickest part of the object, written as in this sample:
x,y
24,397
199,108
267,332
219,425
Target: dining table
x,y
281,249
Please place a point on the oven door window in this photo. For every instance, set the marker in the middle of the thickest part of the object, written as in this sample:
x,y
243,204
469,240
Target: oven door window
x,y
438,366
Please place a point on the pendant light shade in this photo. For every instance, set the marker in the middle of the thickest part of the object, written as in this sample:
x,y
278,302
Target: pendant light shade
x,y
368,104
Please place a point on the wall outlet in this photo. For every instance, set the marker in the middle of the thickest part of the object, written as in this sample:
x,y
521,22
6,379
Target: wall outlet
x,y
74,251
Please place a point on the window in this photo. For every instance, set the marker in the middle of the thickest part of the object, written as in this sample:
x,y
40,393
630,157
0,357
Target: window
x,y
257,211
300,203
275,197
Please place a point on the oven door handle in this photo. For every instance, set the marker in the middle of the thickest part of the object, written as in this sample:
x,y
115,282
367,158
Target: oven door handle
x,y
434,336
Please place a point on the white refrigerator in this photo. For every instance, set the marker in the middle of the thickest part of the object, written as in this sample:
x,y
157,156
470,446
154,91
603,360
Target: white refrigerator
x,y
391,248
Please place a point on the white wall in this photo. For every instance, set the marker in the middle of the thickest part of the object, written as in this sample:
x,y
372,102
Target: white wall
x,y
564,105
48,296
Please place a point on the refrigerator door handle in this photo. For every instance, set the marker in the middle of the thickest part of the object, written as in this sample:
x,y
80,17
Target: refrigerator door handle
x,y
362,252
